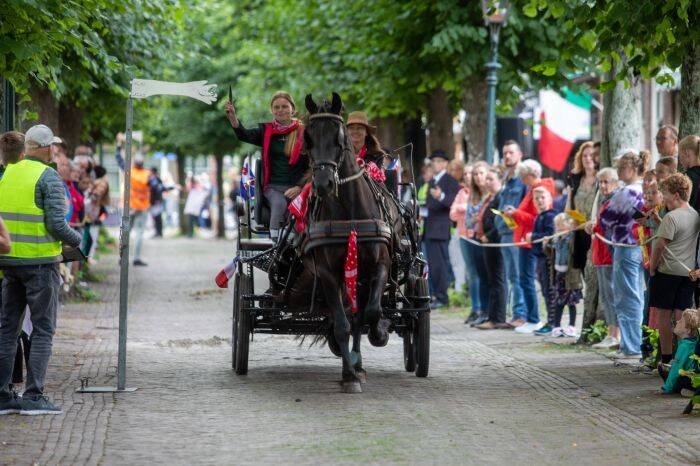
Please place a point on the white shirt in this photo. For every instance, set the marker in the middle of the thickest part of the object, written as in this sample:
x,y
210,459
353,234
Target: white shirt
x,y
437,178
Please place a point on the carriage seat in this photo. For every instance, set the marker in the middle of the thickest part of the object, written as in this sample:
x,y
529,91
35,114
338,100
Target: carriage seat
x,y
261,213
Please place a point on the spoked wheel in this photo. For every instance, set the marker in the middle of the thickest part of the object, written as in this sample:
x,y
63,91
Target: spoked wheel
x,y
242,324
422,344
236,311
409,353
421,329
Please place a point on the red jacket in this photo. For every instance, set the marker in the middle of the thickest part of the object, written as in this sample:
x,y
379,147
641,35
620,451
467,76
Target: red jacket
x,y
601,254
526,212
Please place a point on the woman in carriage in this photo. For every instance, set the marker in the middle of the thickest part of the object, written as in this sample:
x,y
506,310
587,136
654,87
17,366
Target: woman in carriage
x,y
284,164
364,142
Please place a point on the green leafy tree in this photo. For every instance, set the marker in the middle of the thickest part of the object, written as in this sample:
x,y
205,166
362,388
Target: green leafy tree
x,y
628,40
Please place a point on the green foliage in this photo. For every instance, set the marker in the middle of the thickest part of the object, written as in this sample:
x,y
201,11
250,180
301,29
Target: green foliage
x,y
458,298
645,37
595,333
652,336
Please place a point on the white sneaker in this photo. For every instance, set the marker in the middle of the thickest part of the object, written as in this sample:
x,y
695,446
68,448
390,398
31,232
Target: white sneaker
x,y
607,343
622,355
686,393
557,332
529,327
570,331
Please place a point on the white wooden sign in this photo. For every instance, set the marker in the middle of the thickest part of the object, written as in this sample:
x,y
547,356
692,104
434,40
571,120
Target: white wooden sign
x,y
200,90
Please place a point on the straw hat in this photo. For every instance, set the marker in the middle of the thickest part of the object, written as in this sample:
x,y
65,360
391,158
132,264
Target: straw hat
x,y
359,118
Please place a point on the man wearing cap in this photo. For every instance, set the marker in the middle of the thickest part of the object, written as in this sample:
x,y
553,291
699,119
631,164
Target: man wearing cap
x,y
139,197
32,203
442,191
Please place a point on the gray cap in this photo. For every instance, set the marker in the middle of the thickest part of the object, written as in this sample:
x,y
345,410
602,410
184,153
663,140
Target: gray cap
x,y
38,136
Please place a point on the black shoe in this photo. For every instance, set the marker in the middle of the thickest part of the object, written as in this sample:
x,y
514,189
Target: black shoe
x,y
140,263
437,304
11,405
479,320
36,406
472,317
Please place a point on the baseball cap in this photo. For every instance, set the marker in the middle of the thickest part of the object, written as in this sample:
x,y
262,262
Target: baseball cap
x,y
38,136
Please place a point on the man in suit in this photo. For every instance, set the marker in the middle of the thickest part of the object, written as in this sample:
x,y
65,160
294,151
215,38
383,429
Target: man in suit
x,y
441,193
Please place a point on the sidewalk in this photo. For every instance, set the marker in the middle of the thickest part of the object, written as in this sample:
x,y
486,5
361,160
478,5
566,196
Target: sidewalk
x,y
492,397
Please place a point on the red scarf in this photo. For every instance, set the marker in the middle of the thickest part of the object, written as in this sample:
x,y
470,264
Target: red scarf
x,y
362,153
275,128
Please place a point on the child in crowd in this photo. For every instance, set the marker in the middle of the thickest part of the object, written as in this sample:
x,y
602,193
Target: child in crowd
x,y
544,226
665,167
687,332
670,287
567,280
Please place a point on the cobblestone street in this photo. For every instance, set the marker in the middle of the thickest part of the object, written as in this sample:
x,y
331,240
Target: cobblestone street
x,y
491,397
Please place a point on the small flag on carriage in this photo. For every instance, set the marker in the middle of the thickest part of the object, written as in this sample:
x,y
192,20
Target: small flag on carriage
x,y
247,181
226,273
299,206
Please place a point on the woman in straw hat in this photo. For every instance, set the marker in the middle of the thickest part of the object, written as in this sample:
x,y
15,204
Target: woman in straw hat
x,y
364,142
284,164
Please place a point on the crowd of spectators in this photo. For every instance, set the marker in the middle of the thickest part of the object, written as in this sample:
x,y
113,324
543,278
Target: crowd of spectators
x,y
619,243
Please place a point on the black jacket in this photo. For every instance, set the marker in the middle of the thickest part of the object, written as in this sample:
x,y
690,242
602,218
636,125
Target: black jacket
x,y
488,221
438,223
694,175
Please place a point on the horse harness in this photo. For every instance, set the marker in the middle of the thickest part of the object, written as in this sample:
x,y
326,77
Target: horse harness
x,y
333,232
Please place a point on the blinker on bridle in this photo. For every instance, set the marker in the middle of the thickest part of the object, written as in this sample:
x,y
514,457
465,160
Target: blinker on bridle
x,y
331,164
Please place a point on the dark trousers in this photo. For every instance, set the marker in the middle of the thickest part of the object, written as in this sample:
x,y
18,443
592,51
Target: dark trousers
x,y
438,262
496,279
37,286
191,222
158,223
546,287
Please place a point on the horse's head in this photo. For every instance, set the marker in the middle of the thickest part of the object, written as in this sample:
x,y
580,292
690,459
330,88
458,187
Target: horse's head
x,y
326,142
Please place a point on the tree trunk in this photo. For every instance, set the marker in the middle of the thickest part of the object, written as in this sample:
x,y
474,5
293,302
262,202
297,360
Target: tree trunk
x,y
690,92
220,224
415,133
622,122
182,194
440,134
474,103
70,125
389,132
45,105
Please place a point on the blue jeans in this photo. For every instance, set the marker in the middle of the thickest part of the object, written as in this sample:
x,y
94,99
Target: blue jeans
x,y
515,291
628,283
527,265
476,267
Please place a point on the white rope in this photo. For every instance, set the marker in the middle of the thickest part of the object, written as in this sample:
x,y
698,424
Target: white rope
x,y
523,243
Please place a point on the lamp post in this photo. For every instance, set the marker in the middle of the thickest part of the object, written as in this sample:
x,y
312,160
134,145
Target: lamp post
x,y
495,15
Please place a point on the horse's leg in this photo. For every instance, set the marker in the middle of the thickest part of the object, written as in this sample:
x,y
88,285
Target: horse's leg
x,y
378,333
356,339
341,330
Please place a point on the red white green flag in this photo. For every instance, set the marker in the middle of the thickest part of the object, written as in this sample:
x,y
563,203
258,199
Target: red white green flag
x,y
563,120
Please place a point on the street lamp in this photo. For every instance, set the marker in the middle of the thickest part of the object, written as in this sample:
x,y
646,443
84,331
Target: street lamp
x,y
495,16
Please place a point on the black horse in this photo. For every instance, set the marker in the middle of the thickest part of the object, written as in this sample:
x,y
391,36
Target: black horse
x,y
347,199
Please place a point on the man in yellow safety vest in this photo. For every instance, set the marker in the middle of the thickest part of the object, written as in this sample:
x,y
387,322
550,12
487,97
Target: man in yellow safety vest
x,y
32,204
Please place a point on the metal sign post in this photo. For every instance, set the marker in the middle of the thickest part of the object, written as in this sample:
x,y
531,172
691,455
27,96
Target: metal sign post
x,y
140,89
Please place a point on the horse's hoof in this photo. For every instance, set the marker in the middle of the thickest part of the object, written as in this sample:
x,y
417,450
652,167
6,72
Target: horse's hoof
x,y
378,338
352,387
361,375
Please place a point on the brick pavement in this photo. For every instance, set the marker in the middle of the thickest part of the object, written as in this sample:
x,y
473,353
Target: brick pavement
x,y
491,398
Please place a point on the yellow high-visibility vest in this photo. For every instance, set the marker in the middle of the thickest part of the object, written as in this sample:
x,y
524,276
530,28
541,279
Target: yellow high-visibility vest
x,y
24,220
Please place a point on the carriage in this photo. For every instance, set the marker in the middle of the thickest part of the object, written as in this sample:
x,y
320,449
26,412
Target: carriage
x,y
294,308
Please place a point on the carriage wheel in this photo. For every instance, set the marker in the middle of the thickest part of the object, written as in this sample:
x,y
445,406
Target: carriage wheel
x,y
421,331
422,344
243,328
236,309
409,352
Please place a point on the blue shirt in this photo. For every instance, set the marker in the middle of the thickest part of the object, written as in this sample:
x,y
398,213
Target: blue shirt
x,y
512,194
